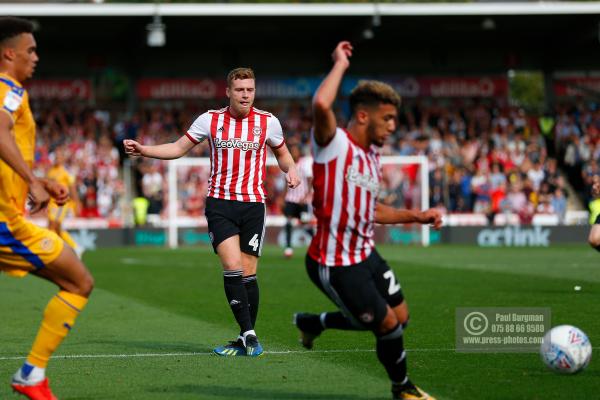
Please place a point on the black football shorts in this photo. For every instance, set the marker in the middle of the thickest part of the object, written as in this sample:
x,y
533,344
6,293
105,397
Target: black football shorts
x,y
294,210
361,291
227,218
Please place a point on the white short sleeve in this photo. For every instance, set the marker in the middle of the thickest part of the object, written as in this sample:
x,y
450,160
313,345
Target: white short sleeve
x,y
200,129
337,145
306,167
274,133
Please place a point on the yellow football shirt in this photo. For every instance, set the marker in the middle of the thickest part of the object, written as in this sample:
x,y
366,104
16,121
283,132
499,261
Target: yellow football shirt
x,y
14,101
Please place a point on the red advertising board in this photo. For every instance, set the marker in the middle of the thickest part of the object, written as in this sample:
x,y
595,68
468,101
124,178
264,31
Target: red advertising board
x,y
157,88
59,89
576,86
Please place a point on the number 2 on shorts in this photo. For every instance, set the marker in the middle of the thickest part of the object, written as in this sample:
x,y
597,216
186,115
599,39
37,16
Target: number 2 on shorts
x,y
394,286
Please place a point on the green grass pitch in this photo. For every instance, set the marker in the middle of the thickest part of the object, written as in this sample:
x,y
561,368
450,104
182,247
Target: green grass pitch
x,y
156,314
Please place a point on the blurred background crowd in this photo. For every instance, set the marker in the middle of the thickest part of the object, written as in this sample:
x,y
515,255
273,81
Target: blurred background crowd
x,y
485,156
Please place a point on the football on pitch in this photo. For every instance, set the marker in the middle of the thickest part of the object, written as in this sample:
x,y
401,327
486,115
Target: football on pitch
x,y
566,349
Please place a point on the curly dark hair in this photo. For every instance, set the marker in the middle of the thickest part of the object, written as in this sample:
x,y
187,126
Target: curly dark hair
x,y
11,27
372,94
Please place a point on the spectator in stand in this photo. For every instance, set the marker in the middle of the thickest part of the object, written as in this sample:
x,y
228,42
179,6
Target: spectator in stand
x,y
498,202
519,204
465,188
152,188
89,208
536,175
481,189
559,205
588,172
497,177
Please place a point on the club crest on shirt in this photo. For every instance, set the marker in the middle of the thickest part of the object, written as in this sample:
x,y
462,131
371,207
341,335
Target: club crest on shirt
x,y
257,130
47,244
365,181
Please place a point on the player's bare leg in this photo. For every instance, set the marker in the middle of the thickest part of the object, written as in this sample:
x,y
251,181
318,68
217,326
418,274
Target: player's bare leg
x,y
76,285
401,311
69,273
56,226
233,277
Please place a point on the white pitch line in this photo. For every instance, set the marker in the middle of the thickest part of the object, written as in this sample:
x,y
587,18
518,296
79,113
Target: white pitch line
x,y
283,352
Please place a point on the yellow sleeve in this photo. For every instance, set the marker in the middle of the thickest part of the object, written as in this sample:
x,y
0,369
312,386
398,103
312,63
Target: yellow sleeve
x,y
70,179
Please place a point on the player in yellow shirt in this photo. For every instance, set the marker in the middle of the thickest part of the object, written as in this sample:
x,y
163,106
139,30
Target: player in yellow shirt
x,y
25,247
594,236
57,213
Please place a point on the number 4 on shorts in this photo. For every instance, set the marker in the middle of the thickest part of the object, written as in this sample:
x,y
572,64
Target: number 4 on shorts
x,y
254,242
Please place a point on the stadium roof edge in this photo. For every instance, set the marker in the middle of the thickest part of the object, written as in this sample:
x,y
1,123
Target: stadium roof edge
x,y
279,9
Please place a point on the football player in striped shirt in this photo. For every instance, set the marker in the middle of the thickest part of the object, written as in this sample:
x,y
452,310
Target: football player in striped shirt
x,y
235,211
342,260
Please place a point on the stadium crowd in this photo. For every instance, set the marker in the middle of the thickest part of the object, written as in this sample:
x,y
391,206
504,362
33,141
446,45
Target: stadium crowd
x,y
485,156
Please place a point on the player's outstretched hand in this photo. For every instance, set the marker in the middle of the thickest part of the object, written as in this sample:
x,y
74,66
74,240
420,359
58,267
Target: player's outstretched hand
x,y
596,186
38,197
60,193
342,53
432,217
132,148
293,181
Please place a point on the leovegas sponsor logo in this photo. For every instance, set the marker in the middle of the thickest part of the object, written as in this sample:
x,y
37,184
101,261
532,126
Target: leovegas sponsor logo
x,y
236,144
365,181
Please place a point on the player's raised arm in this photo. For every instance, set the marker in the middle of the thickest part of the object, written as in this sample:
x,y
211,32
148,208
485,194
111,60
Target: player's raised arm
x,y
167,151
389,215
322,103
10,154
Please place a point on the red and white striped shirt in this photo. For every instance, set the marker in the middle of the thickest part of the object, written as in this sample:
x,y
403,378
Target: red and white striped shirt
x,y
346,186
237,151
301,193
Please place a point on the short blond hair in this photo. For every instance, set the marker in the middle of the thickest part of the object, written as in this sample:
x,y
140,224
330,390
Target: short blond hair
x,y
239,73
373,93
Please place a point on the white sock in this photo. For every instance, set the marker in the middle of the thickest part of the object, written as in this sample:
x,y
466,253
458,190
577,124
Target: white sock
x,y
322,319
245,334
30,374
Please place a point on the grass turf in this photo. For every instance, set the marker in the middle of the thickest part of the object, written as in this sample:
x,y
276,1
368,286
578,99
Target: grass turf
x,y
156,314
